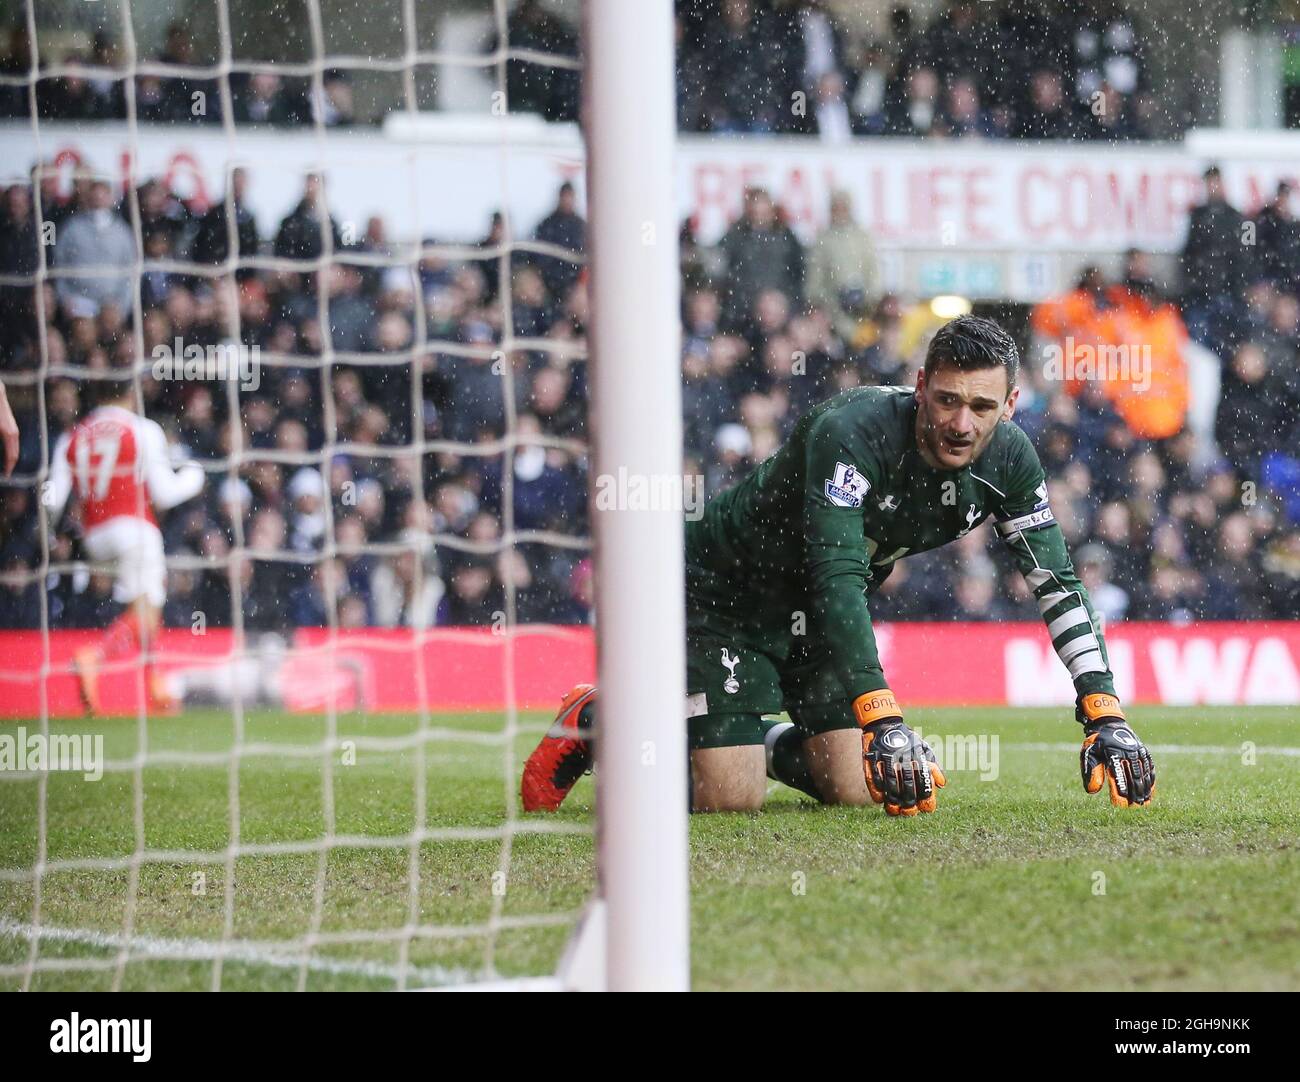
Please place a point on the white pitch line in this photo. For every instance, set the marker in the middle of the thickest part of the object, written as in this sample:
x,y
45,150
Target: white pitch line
x,y
1170,749
235,950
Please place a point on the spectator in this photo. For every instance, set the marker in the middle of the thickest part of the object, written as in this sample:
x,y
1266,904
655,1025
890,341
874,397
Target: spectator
x,y
545,496
904,52
96,240
1234,589
761,253
579,603
1215,266
407,587
1095,565
156,283
1107,52
153,103
745,80
91,605
110,98
20,591
68,98
1248,409
332,107
1152,391
1281,565
311,603
263,98
1277,241
306,493
19,255
733,444
917,113
212,242
474,597
532,87
976,599
1074,315
958,40
819,45
963,117
832,117
16,64
302,232
563,228
843,275
1030,36
187,97
1113,117
1050,114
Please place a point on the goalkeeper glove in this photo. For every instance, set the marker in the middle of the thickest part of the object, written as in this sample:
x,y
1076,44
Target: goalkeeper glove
x,y
900,768
1112,753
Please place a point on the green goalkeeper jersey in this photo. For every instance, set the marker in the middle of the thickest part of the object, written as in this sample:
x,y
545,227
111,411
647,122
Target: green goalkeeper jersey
x,y
818,526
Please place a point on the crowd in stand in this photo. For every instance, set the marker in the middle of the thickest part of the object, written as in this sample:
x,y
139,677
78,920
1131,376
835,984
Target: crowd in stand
x,y
1189,477
89,88
396,483
371,490
1021,69
1182,501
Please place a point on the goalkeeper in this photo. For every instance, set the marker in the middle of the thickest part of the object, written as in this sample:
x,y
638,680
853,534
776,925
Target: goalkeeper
x,y
778,570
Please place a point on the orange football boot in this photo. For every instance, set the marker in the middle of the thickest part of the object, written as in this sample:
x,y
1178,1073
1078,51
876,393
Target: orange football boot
x,y
562,756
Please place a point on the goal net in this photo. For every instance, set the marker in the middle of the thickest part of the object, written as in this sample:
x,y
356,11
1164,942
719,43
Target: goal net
x,y
337,251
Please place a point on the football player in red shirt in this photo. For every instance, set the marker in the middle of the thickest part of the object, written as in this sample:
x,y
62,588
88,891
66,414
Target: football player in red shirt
x,y
117,462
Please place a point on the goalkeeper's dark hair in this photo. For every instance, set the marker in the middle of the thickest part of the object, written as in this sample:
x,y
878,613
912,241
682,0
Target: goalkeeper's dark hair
x,y
970,343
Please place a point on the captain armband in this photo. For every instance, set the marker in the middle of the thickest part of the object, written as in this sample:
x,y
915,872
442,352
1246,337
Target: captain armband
x,y
1035,520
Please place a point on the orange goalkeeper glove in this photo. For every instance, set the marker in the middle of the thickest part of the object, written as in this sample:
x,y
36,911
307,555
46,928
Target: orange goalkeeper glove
x,y
1112,754
900,768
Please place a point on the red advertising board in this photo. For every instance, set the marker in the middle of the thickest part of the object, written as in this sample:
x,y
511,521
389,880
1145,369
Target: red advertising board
x,y
477,669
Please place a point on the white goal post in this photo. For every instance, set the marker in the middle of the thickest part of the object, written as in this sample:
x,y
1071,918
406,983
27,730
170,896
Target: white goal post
x,y
629,121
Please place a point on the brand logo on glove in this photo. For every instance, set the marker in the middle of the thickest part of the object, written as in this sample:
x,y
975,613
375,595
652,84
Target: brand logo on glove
x,y
1126,737
895,739
1117,769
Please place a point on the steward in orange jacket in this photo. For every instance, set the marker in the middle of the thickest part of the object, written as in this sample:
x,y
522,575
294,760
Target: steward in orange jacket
x,y
1141,338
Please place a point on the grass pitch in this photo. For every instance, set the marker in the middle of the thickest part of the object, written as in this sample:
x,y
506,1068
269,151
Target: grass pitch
x,y
1018,882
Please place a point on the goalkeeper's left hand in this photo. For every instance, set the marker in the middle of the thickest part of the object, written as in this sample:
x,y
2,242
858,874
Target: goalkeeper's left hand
x,y
1113,754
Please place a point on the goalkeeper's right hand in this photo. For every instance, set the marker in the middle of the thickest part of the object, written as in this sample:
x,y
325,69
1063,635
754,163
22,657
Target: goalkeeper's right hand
x,y
900,768
1113,754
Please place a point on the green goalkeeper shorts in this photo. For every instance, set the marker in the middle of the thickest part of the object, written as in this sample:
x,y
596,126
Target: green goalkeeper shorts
x,y
737,672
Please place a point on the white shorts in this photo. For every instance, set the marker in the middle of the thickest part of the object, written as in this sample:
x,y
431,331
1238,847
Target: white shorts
x,y
135,549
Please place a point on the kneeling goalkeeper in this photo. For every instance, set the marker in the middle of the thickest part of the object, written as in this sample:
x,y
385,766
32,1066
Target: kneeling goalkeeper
x,y
779,568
